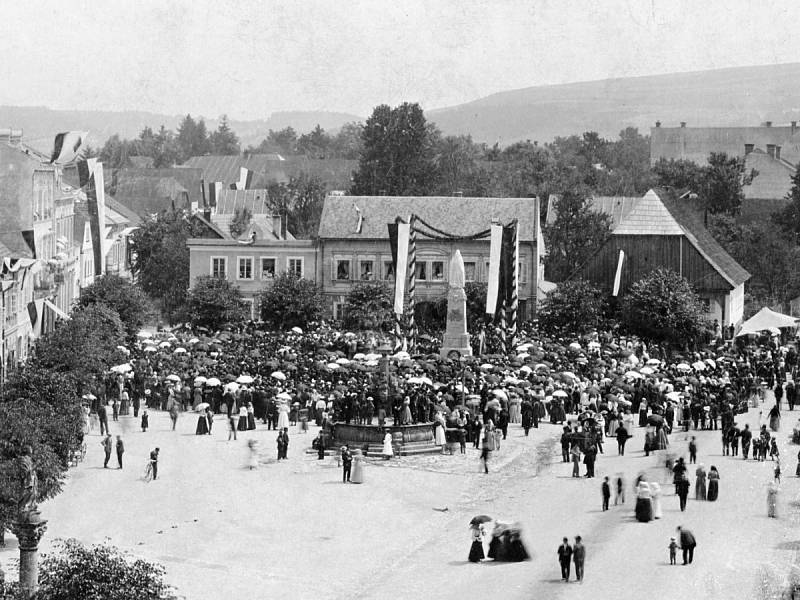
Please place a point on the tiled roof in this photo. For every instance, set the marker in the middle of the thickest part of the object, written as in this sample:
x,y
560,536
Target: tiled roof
x,y
148,195
254,200
454,215
696,143
661,213
773,176
615,207
190,179
266,168
131,216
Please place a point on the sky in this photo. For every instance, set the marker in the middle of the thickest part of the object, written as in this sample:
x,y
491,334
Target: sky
x,y
249,58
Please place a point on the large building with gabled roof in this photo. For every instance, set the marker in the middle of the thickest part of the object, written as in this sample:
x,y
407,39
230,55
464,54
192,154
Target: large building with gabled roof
x,y
660,230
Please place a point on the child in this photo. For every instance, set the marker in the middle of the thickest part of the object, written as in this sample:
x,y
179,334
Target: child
x,y
145,420
778,472
606,493
673,546
774,453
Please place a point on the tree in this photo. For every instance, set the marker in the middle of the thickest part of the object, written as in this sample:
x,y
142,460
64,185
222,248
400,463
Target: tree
x,y
192,138
39,408
214,302
224,140
100,572
575,234
284,140
662,306
788,219
476,304
397,158
315,144
347,143
458,161
128,300
290,301
723,182
576,306
369,305
161,258
679,175
85,346
299,202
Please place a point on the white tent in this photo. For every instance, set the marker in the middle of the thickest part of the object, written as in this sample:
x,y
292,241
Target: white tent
x,y
764,319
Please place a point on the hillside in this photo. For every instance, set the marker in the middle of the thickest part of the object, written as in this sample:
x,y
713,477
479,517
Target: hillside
x,y
735,96
40,124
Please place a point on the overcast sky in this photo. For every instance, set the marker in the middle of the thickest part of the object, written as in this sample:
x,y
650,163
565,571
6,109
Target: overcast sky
x,y
249,58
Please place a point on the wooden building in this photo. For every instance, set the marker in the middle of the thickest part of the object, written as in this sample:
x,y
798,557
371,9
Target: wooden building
x,y
662,231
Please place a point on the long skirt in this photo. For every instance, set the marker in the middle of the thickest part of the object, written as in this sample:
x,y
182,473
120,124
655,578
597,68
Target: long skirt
x,y
251,421
202,425
713,490
242,424
644,510
476,552
357,476
700,489
775,423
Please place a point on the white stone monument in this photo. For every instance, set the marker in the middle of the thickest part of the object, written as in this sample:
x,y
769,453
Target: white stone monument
x,y
456,339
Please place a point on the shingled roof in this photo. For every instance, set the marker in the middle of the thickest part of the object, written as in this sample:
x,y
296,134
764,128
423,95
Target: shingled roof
x,y
189,179
616,207
255,201
457,216
266,168
149,195
659,212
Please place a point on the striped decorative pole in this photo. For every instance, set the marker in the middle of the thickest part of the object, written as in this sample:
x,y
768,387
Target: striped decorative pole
x,y
503,345
412,283
514,303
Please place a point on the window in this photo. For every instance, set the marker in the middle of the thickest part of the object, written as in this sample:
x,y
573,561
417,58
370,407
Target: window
x,y
245,270
486,270
219,267
422,271
342,270
295,266
437,270
388,270
469,271
267,267
366,272
522,272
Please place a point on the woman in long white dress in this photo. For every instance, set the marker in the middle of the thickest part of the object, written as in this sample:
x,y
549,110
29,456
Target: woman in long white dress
x,y
439,437
655,497
283,416
387,451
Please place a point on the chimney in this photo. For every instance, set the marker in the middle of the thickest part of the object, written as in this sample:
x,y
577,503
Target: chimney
x,y
768,124
771,150
748,148
777,152
794,127
207,213
658,124
276,225
683,124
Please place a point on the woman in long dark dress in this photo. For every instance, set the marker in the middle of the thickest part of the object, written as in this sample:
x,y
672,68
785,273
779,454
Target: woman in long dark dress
x,y
644,504
775,418
713,484
202,423
476,549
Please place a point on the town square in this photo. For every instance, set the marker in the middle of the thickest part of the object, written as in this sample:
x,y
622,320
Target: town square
x,y
333,302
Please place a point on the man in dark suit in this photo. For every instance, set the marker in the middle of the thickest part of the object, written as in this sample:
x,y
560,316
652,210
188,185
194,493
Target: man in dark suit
x,y
347,461
564,558
688,544
578,555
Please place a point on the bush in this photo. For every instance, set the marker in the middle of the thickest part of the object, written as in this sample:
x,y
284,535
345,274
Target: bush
x,y
662,306
290,301
369,305
100,572
575,306
129,301
213,302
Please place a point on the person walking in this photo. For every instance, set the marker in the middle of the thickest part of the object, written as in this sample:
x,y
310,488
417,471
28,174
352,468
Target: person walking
x,y
106,444
687,544
772,500
102,416
565,442
564,558
233,423
173,414
700,483
682,489
578,556
319,444
347,461
622,436
120,450
606,491
154,463
358,467
693,450
575,453
145,420
747,437
283,443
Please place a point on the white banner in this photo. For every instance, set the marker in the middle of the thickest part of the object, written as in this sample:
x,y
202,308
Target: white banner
x,y
495,248
618,276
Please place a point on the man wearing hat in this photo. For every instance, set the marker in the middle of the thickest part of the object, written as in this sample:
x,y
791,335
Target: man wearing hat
x,y
578,556
564,557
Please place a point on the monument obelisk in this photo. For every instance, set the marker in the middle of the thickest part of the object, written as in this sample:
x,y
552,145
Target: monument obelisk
x,y
456,338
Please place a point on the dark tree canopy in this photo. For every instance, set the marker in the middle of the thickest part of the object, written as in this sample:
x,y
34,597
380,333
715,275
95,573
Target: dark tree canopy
x,y
574,307
369,305
224,140
397,158
575,234
662,306
127,299
214,302
290,301
788,219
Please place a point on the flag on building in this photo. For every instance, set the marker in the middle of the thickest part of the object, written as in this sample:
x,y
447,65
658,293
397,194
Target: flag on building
x,y
67,147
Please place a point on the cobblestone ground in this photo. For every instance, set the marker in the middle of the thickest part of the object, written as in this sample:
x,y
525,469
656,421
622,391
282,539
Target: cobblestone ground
x,y
292,529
